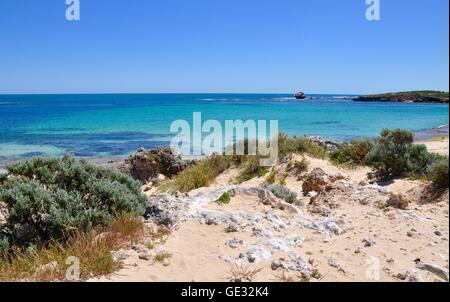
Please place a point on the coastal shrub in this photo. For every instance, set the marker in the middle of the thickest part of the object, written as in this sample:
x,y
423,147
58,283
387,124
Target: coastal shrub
x,y
282,193
205,171
352,154
389,156
438,173
299,145
418,160
51,198
3,177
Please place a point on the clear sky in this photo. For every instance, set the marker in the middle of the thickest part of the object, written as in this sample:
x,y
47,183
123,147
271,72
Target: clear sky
x,y
316,46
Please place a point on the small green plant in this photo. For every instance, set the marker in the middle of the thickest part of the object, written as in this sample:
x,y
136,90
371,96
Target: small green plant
x,y
271,178
162,256
224,199
316,274
282,181
300,166
150,245
282,193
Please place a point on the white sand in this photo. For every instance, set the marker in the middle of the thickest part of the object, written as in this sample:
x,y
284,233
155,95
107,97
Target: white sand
x,y
438,145
200,253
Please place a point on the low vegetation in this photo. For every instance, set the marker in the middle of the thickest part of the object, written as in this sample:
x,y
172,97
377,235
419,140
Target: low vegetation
x,y
438,173
92,250
224,199
53,198
392,155
243,273
353,154
271,178
423,93
282,192
299,145
162,256
206,170
58,207
200,175
298,167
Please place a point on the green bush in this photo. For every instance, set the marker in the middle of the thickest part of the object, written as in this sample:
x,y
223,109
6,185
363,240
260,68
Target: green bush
x,y
418,159
393,154
282,193
438,173
353,154
51,198
224,199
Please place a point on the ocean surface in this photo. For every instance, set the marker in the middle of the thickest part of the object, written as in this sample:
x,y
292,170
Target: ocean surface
x,y
97,125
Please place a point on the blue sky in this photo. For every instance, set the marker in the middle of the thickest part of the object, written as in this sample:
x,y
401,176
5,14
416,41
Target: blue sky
x,y
317,46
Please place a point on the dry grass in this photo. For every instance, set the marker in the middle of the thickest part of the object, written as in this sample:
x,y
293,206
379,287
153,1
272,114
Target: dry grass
x,y
243,273
93,251
283,277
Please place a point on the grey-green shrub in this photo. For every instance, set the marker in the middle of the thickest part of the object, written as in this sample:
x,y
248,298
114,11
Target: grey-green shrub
x,y
282,193
418,159
438,173
49,198
395,155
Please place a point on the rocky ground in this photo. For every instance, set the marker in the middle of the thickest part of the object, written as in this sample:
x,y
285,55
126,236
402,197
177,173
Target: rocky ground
x,y
342,228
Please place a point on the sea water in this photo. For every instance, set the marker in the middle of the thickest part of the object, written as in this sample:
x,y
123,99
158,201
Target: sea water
x,y
96,125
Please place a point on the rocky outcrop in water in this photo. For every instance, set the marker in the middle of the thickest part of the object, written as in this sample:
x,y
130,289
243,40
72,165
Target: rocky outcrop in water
x,y
404,97
146,165
300,96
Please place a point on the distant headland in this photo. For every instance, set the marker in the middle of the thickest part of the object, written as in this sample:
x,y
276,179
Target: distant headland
x,y
423,96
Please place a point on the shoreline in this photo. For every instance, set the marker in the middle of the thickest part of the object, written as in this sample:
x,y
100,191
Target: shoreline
x,y
436,138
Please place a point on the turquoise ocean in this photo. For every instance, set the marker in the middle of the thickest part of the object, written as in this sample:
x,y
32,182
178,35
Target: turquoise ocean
x,y
109,125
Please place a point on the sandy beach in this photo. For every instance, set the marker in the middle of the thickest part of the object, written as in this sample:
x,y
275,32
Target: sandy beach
x,y
438,145
356,241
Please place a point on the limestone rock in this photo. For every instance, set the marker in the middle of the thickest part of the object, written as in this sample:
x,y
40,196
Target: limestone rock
x,y
300,96
397,201
146,165
165,210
